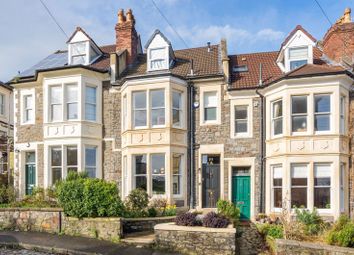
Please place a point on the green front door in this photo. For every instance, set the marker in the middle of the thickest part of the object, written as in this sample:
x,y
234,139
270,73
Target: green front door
x,y
30,172
241,195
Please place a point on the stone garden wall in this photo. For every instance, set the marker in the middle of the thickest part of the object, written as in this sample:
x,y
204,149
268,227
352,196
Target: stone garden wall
x,y
102,228
39,220
133,225
196,240
52,220
285,247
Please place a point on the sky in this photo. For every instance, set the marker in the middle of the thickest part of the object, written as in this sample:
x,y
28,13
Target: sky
x,y
28,34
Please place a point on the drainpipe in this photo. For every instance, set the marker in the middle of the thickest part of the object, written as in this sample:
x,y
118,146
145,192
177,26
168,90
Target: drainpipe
x,y
191,143
262,141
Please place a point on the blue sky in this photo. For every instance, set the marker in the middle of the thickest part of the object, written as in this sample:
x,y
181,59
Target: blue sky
x,y
28,34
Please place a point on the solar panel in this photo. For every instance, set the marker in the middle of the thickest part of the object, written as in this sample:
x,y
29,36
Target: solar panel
x,y
54,60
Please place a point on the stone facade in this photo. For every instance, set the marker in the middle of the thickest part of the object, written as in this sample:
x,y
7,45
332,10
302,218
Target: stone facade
x,y
46,220
133,225
249,240
284,247
102,228
196,240
111,115
233,148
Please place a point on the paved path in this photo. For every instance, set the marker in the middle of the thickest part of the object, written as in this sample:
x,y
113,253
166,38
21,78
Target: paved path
x,y
69,244
4,251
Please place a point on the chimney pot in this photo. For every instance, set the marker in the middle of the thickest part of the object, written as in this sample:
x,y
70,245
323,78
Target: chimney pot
x,y
121,17
130,16
208,43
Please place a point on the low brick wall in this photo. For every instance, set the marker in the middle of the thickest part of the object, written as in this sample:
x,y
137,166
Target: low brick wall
x,y
102,228
23,219
285,247
196,240
133,225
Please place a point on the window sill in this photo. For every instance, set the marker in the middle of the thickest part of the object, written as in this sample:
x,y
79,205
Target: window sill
x,y
210,123
242,136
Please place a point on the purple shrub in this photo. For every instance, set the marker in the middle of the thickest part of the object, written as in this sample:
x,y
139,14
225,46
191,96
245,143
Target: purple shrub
x,y
186,219
213,220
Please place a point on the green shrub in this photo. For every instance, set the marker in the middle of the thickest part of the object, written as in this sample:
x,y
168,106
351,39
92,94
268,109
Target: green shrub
x,y
273,230
85,197
342,233
229,210
7,194
40,198
312,221
136,203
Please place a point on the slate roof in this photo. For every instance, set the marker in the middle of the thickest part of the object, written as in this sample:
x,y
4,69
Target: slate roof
x,y
271,71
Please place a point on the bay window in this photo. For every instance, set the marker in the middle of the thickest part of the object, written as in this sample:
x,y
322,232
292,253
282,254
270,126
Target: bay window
x,y
177,174
90,160
298,57
28,110
277,117
157,107
299,174
71,159
177,109
56,164
277,186
241,119
299,113
322,112
140,171
158,173
71,102
55,103
139,108
2,104
341,186
210,106
342,115
125,113
90,103
322,185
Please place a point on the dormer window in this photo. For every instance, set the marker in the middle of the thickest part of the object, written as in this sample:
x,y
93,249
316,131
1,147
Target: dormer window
x,y
159,51
158,59
82,50
78,53
298,57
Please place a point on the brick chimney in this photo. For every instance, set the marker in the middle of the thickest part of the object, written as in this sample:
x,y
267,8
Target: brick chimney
x,y
126,36
338,42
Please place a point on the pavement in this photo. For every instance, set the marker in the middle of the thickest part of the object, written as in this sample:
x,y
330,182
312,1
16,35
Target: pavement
x,y
61,244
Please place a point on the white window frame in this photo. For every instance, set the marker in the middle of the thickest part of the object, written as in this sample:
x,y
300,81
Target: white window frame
x,y
67,102
166,59
51,167
273,119
307,165
180,175
179,110
323,210
299,114
125,113
51,104
86,146
146,171
151,108
240,102
140,109
322,113
87,103
152,174
203,90
300,58
2,104
85,55
272,167
342,115
66,158
342,187
23,93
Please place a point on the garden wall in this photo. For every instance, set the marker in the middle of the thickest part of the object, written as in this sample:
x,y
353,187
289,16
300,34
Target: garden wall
x,y
52,220
133,225
41,220
285,247
102,228
196,240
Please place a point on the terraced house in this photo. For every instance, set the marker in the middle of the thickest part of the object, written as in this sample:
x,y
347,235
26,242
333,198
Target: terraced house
x,y
195,124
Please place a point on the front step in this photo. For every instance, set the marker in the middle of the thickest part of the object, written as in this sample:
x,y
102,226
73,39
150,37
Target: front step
x,y
142,239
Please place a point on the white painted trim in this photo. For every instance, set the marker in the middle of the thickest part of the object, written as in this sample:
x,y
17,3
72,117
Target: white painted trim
x,y
249,103
202,91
